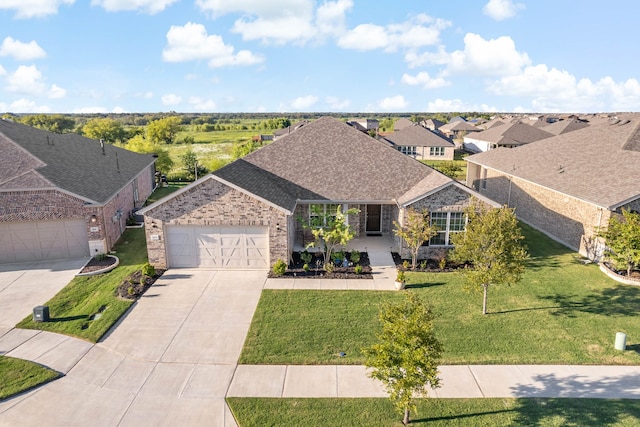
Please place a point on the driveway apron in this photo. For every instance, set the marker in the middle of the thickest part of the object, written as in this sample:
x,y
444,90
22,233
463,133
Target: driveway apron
x,y
169,361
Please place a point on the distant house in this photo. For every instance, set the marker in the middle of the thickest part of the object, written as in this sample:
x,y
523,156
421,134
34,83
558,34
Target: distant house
x,y
564,126
457,129
432,124
569,185
65,196
251,212
262,138
507,135
421,143
402,123
286,131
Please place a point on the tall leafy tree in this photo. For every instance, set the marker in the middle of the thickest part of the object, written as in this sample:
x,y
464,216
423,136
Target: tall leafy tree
x,y
492,244
415,231
164,130
622,238
406,356
140,144
330,229
191,166
57,123
104,128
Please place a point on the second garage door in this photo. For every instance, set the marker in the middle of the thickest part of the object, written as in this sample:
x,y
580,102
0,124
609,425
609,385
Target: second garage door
x,y
217,247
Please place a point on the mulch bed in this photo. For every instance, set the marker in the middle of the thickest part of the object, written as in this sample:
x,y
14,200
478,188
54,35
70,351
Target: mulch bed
x,y
132,288
295,269
635,274
96,264
429,265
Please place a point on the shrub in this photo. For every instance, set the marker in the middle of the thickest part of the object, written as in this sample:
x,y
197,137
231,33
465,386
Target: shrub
x,y
401,277
423,265
328,267
279,268
337,256
355,256
131,290
358,269
442,263
148,270
406,264
305,267
306,257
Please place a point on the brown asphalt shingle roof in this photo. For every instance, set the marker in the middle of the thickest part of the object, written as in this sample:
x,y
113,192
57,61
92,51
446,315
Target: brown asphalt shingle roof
x,y
599,164
328,160
564,126
459,125
418,136
75,163
511,134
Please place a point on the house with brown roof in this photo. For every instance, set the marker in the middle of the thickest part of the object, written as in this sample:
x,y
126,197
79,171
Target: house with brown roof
x,y
250,213
506,135
432,124
567,186
421,144
65,196
564,126
457,129
402,123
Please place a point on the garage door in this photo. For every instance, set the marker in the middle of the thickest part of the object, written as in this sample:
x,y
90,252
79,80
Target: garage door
x,y
217,247
43,240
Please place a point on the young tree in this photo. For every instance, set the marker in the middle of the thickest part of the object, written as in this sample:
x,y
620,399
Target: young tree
x,y
406,356
108,129
492,243
164,130
190,165
415,231
329,228
622,238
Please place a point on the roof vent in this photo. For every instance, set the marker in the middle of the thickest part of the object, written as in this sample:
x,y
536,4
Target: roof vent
x,y
624,122
102,146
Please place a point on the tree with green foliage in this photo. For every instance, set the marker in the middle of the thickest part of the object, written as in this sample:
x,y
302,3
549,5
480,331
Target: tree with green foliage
x,y
622,237
328,225
448,168
492,244
140,144
193,169
164,130
416,230
109,130
241,149
405,358
57,123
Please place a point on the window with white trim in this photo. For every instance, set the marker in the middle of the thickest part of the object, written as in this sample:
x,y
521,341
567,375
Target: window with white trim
x,y
321,215
436,151
447,223
408,150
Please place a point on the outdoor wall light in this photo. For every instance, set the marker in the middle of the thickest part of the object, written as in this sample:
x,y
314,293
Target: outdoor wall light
x,y
94,219
278,227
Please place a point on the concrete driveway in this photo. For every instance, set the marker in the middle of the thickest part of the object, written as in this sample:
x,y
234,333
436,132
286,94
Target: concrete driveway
x,y
169,361
26,285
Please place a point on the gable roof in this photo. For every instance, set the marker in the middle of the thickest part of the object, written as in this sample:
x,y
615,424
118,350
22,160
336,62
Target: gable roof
x,y
459,125
432,123
598,164
70,162
564,126
511,134
328,160
418,136
402,123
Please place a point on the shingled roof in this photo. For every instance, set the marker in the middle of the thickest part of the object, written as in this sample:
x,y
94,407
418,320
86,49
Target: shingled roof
x,y
417,136
564,126
511,134
598,164
69,162
327,160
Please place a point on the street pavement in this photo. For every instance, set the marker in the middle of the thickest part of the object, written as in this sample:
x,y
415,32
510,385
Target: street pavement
x,y
172,360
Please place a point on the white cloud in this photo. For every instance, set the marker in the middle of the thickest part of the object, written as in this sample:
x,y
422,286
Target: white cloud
x,y
33,8
202,105
494,57
304,102
420,31
191,42
56,92
2,71
393,103
337,104
26,79
149,6
502,9
330,17
425,80
24,106
21,51
451,105
144,95
171,99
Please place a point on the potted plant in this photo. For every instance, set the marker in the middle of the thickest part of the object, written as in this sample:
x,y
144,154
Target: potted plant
x,y
400,280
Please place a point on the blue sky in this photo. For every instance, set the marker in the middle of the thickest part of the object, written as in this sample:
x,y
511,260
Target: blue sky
x,y
81,56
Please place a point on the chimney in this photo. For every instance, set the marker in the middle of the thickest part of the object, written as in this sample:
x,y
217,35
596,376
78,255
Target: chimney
x,y
102,146
117,163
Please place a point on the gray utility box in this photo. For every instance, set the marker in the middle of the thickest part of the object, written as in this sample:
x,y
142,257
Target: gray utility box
x,y
41,313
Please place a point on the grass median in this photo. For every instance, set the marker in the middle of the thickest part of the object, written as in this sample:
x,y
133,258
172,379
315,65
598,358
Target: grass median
x,y
563,312
20,375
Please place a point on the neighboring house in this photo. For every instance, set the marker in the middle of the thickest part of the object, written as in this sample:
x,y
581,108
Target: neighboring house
x,y
457,129
402,123
432,124
368,124
249,214
262,138
65,196
567,186
507,135
421,143
564,126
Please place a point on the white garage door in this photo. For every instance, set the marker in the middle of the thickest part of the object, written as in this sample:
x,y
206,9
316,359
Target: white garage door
x,y
43,240
217,247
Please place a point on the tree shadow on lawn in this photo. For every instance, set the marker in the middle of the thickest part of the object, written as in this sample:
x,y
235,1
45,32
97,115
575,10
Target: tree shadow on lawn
x,y
621,300
68,318
474,415
424,285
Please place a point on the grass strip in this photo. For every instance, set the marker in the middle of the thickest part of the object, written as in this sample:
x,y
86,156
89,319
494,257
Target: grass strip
x,y
20,375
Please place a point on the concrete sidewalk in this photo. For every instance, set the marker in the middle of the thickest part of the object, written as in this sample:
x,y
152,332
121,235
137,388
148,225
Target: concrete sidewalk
x,y
460,381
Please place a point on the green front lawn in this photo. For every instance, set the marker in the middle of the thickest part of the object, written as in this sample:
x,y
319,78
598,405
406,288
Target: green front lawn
x,y
260,412
563,312
72,308
20,375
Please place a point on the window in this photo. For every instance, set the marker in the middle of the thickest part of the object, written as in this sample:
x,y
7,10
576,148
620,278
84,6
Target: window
x,y
322,214
447,224
408,150
436,151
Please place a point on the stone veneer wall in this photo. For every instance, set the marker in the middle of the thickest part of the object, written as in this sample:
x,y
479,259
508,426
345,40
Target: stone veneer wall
x,y
215,204
566,219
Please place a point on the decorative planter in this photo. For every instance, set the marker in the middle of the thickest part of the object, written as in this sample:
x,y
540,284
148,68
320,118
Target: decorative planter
x,y
104,270
400,285
617,277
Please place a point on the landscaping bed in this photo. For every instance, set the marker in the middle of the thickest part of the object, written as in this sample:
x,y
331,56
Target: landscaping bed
x,y
429,265
133,287
315,268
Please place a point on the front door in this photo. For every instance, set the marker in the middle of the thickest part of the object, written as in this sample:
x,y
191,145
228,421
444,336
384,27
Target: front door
x,y
373,218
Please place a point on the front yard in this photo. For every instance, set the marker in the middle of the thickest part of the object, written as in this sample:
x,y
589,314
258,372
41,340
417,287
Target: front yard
x,y
563,312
